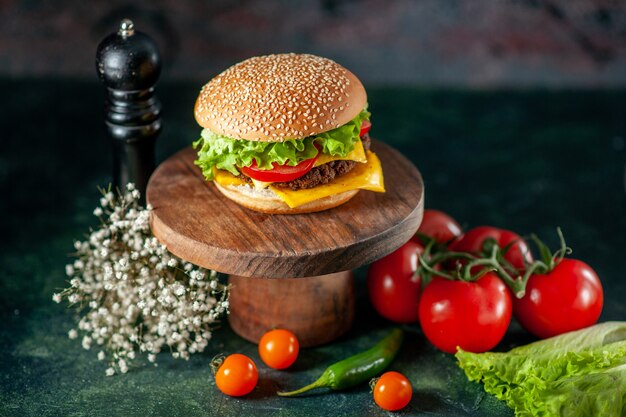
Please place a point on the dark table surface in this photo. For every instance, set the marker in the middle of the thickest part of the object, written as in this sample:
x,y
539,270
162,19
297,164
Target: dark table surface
x,y
527,161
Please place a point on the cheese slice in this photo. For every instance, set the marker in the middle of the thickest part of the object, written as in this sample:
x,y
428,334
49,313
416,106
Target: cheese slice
x,y
367,176
357,154
225,178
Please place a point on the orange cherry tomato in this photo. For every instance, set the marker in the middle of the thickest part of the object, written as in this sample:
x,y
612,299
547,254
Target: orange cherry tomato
x,y
392,391
279,348
237,375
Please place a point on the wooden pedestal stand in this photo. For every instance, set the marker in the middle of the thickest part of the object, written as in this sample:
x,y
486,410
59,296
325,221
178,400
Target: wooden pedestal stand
x,y
197,223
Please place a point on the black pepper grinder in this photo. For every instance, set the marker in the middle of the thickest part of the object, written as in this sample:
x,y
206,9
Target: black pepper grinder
x,y
129,64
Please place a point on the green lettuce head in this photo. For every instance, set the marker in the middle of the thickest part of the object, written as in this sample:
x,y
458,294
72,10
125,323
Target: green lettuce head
x,y
227,153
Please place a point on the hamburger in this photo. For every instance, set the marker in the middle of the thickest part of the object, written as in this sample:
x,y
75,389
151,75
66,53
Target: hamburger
x,y
286,134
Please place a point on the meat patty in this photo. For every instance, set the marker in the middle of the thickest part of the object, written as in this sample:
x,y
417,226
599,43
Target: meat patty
x,y
322,174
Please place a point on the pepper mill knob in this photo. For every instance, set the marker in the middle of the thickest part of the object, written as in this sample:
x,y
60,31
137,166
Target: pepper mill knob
x,y
128,64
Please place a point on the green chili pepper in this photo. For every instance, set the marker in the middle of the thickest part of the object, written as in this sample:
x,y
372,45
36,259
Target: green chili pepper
x,y
358,368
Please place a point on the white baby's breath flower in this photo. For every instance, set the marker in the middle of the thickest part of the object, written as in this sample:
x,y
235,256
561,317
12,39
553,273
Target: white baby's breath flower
x,y
86,343
69,270
123,276
122,365
180,290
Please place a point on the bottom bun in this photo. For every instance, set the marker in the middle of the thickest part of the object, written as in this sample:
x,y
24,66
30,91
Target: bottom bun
x,y
266,201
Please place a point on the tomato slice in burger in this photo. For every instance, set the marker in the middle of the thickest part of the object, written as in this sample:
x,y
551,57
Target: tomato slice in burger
x,y
280,173
365,128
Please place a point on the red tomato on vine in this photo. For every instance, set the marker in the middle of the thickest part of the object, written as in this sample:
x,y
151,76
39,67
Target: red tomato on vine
x,y
471,315
439,226
393,287
518,253
567,298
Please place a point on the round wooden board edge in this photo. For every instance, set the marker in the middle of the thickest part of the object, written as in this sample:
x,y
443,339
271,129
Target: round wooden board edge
x,y
313,264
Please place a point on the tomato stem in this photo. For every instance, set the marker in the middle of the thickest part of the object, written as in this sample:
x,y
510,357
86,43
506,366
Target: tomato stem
x,y
517,285
532,268
543,266
563,251
431,271
373,383
216,362
491,259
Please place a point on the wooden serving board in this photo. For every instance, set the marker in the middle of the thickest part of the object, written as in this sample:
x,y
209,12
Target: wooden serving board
x,y
197,223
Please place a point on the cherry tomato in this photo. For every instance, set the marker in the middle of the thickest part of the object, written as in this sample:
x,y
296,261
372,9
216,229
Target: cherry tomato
x,y
280,173
568,298
392,286
237,375
439,226
392,391
471,315
365,128
472,241
279,348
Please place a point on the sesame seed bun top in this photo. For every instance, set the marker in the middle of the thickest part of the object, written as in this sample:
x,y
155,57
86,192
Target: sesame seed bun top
x,y
276,97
